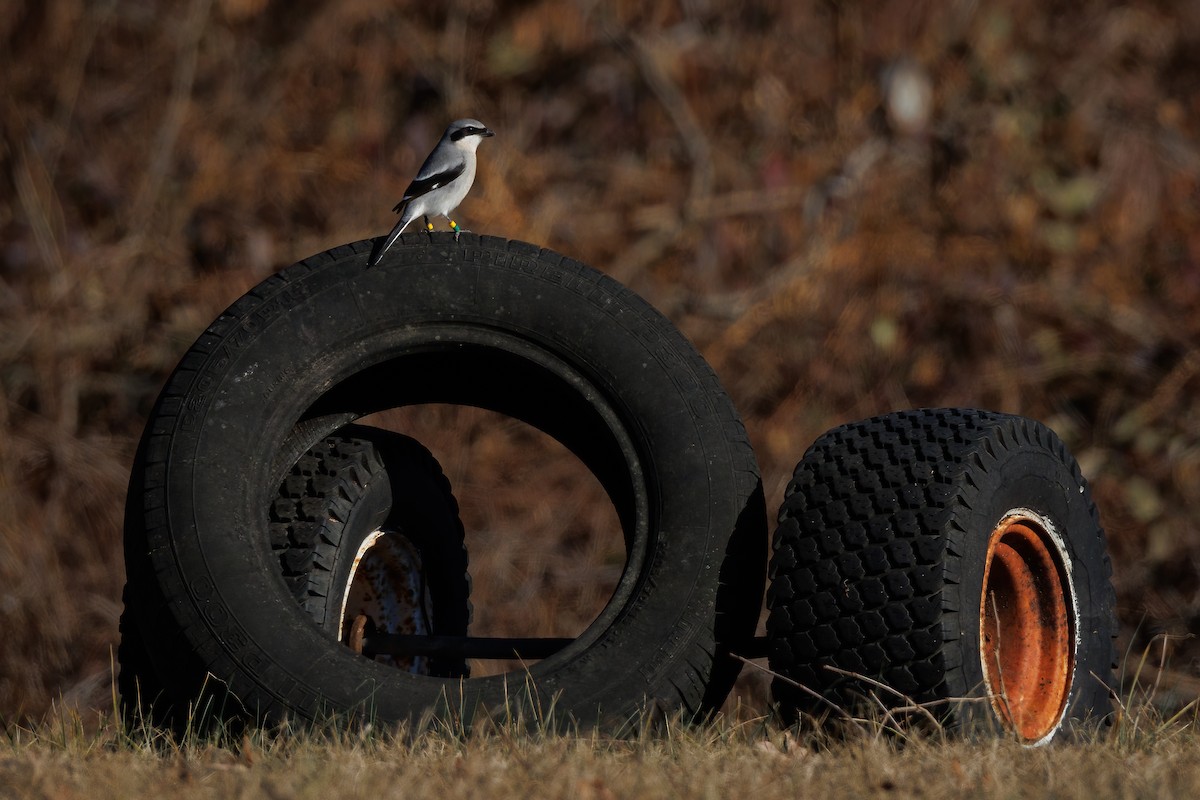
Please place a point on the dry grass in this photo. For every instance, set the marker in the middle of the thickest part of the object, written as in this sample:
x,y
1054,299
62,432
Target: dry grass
x,y
1144,756
1033,248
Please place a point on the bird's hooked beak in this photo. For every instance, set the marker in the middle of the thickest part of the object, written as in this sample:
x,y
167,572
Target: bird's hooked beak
x,y
487,132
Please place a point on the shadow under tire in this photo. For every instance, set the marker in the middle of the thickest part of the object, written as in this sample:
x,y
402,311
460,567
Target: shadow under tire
x,y
139,687
476,321
945,554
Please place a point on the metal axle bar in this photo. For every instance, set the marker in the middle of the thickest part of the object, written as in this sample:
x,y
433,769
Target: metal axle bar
x,y
396,644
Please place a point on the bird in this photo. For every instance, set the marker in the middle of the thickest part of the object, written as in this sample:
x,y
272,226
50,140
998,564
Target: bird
x,y
441,183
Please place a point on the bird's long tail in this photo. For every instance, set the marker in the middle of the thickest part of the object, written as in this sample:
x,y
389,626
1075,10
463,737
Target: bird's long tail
x,y
382,246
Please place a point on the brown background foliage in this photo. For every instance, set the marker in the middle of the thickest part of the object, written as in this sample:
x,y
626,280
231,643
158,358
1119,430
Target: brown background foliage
x,y
1028,242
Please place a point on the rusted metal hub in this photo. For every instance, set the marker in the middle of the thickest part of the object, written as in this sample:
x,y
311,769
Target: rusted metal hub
x,y
1028,623
386,593
357,633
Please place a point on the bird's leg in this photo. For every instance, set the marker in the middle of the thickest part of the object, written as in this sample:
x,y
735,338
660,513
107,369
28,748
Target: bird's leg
x,y
428,224
454,227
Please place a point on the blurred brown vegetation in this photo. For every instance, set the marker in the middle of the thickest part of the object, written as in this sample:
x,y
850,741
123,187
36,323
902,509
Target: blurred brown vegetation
x,y
850,207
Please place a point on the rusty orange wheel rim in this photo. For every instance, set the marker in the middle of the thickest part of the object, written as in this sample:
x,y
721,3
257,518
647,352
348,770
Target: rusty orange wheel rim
x,y
1027,626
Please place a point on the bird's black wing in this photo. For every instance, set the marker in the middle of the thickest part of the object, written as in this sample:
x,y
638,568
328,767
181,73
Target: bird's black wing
x,y
420,186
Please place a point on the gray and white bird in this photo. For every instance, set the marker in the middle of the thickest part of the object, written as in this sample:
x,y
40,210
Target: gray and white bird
x,y
441,183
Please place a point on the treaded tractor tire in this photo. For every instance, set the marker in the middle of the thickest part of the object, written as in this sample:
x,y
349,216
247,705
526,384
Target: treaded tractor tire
x,y
944,554
345,488
475,321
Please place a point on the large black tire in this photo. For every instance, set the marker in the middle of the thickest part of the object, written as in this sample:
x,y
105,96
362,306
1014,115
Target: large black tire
x,y
476,321
890,531
355,483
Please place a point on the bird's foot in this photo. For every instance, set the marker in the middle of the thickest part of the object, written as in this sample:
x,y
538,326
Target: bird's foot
x,y
454,226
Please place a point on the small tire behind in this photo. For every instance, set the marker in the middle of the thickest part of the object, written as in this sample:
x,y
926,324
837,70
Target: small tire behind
x,y
364,487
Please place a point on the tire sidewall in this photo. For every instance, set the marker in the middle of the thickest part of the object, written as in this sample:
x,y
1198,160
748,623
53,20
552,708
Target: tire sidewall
x,y
367,513
1035,477
410,496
